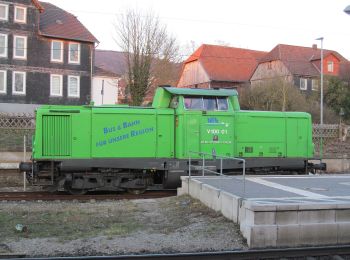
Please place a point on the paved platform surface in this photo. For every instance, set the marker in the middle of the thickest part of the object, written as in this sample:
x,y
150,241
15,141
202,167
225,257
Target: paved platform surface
x,y
272,189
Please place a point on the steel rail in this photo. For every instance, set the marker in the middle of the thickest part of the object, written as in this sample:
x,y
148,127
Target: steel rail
x,y
11,256
226,255
47,196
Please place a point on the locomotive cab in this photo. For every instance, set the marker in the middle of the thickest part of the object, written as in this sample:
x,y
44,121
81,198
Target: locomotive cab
x,y
204,120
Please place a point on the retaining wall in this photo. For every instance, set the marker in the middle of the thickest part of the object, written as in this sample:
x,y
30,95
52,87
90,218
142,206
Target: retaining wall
x,y
278,224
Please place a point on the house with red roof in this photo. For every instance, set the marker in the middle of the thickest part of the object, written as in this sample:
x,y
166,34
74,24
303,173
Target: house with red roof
x,y
300,66
46,56
213,66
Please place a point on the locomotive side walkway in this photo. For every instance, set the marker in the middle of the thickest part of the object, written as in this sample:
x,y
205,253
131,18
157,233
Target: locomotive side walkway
x,y
279,211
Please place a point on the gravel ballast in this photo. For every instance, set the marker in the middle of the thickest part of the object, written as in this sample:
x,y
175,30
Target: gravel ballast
x,y
167,225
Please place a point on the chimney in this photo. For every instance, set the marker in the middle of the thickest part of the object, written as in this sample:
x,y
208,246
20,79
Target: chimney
x,y
314,46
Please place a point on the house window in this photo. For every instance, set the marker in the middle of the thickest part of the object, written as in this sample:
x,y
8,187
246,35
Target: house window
x,y
269,65
303,84
56,85
57,51
3,81
18,82
73,86
330,66
4,12
20,47
3,45
74,53
20,14
314,84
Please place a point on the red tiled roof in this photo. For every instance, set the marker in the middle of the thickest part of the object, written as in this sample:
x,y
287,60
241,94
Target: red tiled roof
x,y
299,59
112,61
224,63
58,23
344,70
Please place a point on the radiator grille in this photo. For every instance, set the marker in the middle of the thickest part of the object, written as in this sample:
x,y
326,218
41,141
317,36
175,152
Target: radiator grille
x,y
57,135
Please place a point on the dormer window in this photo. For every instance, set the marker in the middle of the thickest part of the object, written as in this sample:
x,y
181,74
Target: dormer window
x,y
330,66
20,14
4,12
57,51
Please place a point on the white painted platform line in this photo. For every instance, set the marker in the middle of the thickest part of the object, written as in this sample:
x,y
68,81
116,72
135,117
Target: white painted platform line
x,y
286,188
329,176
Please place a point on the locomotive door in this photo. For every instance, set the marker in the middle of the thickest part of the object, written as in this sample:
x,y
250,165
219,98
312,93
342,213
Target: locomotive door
x,y
216,136
297,137
192,132
302,137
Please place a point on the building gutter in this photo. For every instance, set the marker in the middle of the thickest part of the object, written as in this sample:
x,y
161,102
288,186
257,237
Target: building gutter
x,y
92,51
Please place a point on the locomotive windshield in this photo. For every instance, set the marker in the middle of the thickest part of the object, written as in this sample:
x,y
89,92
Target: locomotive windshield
x,y
206,103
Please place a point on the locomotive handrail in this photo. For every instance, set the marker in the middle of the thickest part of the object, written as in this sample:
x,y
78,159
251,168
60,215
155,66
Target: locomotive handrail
x,y
205,168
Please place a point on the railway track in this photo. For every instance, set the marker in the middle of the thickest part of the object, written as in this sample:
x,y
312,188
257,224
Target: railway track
x,y
47,196
328,252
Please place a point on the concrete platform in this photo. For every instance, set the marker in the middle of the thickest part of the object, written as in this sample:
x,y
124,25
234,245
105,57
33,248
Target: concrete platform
x,y
280,211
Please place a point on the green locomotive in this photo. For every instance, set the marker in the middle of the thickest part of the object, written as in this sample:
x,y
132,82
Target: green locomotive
x,y
81,148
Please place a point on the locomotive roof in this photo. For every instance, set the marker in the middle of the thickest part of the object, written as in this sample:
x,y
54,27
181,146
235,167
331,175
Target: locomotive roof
x,y
201,92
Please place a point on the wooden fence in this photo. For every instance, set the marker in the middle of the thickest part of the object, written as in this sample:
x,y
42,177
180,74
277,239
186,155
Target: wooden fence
x,y
13,127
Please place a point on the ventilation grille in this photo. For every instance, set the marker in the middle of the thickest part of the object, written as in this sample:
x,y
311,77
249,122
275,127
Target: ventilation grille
x,y
248,149
57,135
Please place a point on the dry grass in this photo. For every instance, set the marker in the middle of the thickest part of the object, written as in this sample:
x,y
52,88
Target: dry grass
x,y
67,223
173,217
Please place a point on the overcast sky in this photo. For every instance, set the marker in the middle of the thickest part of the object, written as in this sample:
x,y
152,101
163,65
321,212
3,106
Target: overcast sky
x,y
251,24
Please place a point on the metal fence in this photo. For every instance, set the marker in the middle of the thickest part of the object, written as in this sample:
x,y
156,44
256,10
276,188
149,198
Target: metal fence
x,y
328,133
325,131
335,139
13,128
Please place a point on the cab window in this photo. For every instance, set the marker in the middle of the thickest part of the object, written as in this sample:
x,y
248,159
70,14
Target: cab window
x,y
174,102
222,103
209,103
206,103
195,103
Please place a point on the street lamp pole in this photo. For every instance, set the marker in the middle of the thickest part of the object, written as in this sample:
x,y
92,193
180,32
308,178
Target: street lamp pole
x,y
321,100
347,10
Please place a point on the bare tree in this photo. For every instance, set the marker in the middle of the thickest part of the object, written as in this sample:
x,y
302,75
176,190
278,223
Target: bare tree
x,y
280,94
144,39
189,48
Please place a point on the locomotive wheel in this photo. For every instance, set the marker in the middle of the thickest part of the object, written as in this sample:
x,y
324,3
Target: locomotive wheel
x,y
136,191
68,183
76,191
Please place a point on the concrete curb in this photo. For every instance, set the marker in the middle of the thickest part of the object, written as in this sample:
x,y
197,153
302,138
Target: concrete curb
x,y
9,166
